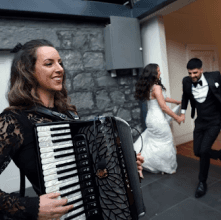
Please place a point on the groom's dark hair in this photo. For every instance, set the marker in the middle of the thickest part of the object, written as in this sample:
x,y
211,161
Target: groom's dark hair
x,y
194,63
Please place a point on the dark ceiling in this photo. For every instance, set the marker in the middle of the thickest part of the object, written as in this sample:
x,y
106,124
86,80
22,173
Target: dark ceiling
x,y
119,2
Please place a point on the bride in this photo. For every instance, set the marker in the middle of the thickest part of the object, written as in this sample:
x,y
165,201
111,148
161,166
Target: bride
x,y
158,148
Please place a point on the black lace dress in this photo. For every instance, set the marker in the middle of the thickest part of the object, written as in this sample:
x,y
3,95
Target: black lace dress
x,y
17,143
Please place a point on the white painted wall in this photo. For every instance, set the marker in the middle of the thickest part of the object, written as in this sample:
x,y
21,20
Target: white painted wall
x,y
9,179
172,59
154,47
177,61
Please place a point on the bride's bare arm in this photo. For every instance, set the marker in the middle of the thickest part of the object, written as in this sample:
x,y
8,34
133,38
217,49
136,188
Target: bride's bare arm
x,y
157,93
170,100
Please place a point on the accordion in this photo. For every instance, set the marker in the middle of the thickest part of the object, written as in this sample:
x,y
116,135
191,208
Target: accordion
x,y
93,164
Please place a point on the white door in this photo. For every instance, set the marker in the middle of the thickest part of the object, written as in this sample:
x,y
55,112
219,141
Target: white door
x,y
207,53
9,179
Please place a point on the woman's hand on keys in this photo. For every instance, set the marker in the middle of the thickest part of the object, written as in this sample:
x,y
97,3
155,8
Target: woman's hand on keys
x,y
52,208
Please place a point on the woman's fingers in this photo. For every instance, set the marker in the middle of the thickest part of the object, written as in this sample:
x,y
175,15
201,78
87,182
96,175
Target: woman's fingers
x,y
60,202
52,195
64,209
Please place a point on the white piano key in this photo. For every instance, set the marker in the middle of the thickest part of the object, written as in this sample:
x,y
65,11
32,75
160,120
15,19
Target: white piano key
x,y
53,165
80,217
49,127
52,148
49,133
56,188
56,176
55,169
78,203
74,212
50,143
73,188
49,138
46,144
54,160
53,154
72,197
56,181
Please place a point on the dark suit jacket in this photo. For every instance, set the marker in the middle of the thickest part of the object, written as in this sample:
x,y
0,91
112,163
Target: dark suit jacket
x,y
212,78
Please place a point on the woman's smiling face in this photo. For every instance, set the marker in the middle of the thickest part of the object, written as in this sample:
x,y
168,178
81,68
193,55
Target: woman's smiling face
x,y
49,71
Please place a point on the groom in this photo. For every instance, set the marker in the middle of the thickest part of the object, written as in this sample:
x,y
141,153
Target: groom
x,y
203,90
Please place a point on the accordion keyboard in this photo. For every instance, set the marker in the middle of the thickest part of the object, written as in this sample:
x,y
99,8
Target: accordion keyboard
x,y
66,169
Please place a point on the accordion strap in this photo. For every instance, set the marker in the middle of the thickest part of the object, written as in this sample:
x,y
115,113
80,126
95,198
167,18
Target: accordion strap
x,y
54,115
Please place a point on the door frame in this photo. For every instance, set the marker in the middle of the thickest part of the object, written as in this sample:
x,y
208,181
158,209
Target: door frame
x,y
190,47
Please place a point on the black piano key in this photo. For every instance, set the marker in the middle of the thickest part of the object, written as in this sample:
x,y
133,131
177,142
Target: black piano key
x,y
69,193
64,155
66,170
61,149
65,164
75,201
61,140
60,134
69,186
67,177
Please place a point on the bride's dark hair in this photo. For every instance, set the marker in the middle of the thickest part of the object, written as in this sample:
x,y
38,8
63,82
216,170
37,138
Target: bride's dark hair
x,y
23,84
146,81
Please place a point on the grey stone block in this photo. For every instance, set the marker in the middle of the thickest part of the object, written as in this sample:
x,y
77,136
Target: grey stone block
x,y
72,60
117,97
106,81
82,100
102,100
93,61
83,81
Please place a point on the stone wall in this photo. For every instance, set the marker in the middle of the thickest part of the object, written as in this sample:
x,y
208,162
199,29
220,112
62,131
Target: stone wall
x,y
81,47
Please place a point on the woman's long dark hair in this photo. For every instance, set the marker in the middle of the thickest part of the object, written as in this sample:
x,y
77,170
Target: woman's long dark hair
x,y
146,81
23,84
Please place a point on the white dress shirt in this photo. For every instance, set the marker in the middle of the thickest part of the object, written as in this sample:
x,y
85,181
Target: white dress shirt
x,y
199,92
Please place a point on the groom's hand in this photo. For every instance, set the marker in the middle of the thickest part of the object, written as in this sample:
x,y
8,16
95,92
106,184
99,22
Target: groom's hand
x,y
182,117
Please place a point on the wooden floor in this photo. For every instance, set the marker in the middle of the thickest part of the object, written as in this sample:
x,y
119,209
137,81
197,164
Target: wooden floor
x,y
187,150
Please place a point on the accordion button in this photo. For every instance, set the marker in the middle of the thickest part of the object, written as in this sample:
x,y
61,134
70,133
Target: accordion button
x,y
88,184
89,198
83,156
92,212
92,205
86,177
82,150
84,163
89,191
85,170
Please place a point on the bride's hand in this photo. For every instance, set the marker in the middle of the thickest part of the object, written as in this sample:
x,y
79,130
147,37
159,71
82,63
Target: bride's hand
x,y
178,102
179,119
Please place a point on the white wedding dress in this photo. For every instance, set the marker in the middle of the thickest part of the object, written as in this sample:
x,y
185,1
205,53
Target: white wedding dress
x,y
158,148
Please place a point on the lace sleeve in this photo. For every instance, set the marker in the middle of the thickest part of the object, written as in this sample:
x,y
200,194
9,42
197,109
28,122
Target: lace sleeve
x,y
11,138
